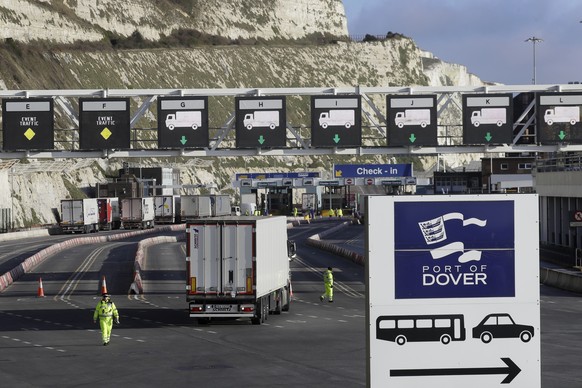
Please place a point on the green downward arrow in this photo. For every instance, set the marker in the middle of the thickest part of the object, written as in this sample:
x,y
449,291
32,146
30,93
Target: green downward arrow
x,y
412,138
488,137
336,138
261,139
183,140
562,135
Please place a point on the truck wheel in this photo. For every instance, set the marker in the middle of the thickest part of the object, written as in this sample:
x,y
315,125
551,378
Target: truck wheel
x,y
265,308
287,301
278,302
400,125
249,126
272,126
171,127
348,125
194,126
423,125
549,122
259,312
324,125
476,124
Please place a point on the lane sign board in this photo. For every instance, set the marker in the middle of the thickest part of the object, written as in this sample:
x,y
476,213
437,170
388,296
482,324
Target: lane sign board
x,y
261,122
453,291
104,123
412,120
372,170
558,118
487,119
336,121
27,124
183,122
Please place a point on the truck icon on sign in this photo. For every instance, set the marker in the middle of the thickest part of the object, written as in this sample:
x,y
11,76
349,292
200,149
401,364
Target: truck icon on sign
x,y
497,116
337,117
413,117
184,119
261,118
562,114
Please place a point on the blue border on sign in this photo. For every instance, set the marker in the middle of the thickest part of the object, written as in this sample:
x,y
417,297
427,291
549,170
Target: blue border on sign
x,y
460,249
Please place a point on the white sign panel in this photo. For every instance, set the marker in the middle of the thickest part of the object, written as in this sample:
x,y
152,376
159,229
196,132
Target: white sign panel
x,y
453,291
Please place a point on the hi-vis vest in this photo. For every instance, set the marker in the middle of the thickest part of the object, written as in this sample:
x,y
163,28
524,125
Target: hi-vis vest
x,y
328,277
105,310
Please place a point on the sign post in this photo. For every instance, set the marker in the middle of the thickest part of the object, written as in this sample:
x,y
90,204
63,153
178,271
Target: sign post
x,y
453,291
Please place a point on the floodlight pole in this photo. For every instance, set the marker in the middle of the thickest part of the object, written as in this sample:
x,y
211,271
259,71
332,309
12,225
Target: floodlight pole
x,y
534,40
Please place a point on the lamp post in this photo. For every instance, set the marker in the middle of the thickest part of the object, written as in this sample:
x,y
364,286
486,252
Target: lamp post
x,y
534,40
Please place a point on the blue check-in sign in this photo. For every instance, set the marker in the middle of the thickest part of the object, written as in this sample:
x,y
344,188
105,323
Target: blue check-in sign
x,y
372,170
454,249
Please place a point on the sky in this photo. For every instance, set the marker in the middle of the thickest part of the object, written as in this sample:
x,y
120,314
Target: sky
x,y
486,36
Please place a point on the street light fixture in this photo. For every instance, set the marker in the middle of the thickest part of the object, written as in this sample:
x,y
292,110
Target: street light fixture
x,y
534,40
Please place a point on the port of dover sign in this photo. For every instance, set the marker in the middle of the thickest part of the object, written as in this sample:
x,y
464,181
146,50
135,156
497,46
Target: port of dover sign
x,y
453,291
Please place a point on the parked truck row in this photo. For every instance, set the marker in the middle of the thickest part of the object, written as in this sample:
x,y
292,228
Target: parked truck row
x,y
91,215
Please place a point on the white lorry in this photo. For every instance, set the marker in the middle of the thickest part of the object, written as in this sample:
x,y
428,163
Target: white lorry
x,y
194,206
204,205
413,117
167,209
137,213
109,217
79,215
497,116
237,267
562,114
184,119
261,118
337,117
219,205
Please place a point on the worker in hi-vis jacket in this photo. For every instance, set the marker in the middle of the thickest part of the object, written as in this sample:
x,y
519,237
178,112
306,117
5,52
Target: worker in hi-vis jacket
x,y
328,283
106,312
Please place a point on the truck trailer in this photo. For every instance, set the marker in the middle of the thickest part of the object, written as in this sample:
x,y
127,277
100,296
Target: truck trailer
x,y
194,206
79,215
167,209
562,114
237,267
137,213
109,217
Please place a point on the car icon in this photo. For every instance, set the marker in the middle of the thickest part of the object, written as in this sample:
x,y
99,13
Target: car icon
x,y
501,326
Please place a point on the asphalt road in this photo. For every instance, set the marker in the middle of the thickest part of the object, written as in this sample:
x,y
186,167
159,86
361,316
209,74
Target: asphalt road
x,y
52,341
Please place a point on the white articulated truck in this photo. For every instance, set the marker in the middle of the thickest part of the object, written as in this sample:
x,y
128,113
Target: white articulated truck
x,y
237,267
184,119
79,215
137,213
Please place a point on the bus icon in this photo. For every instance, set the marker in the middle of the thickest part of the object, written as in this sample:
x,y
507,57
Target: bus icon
x,y
421,328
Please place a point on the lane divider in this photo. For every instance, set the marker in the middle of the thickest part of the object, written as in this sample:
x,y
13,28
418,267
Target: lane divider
x,y
28,264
